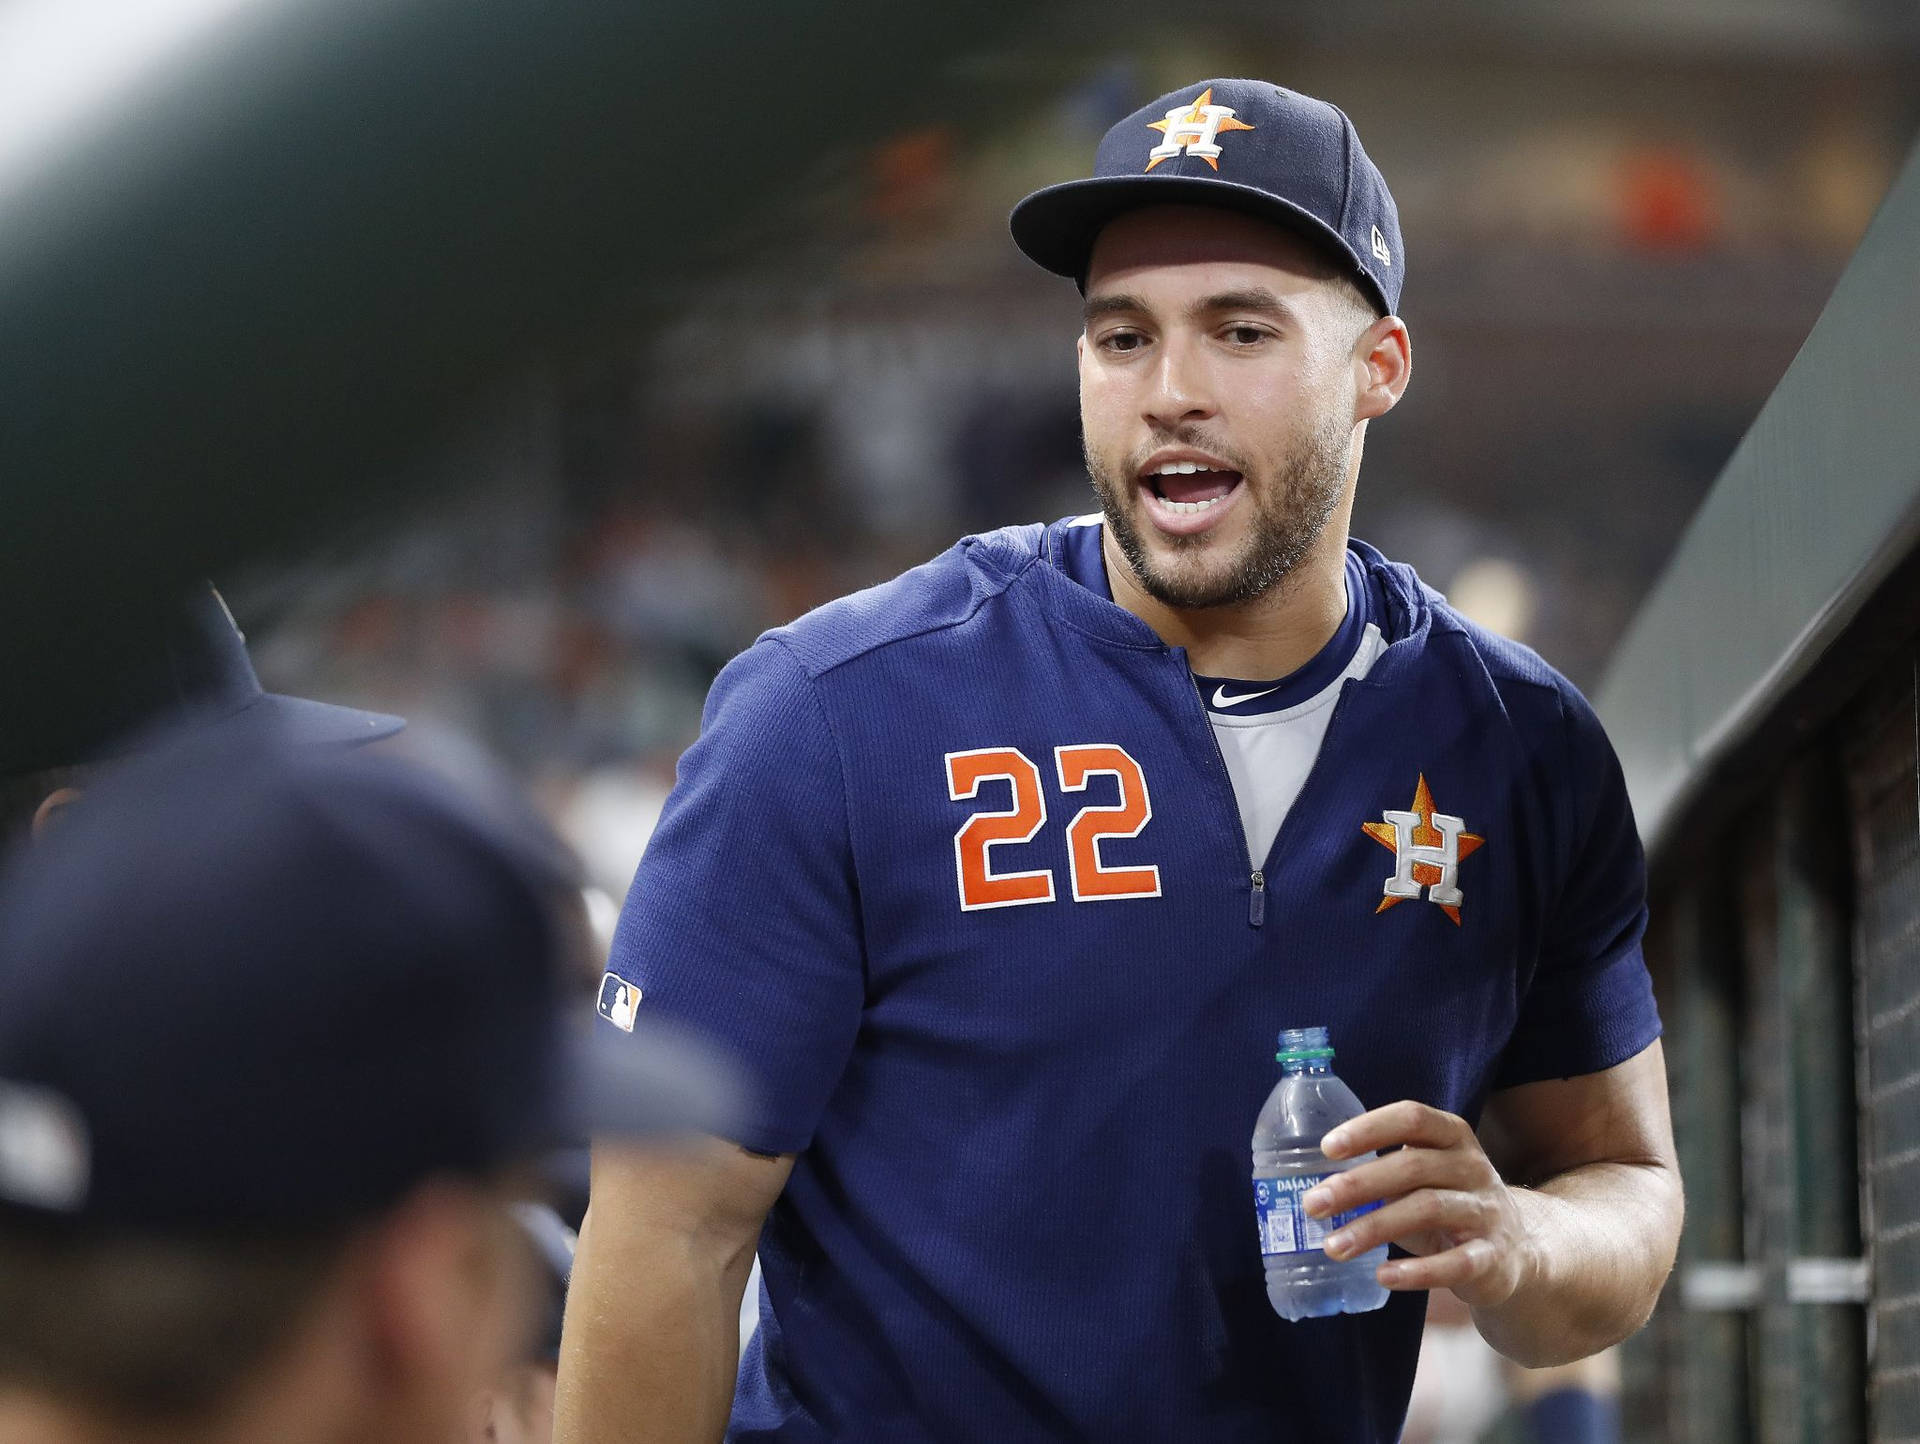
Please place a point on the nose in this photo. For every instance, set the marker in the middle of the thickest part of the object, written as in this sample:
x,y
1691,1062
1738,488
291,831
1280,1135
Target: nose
x,y
1179,390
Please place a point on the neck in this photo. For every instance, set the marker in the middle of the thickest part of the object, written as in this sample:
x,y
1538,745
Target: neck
x,y
262,1410
1276,633
31,1419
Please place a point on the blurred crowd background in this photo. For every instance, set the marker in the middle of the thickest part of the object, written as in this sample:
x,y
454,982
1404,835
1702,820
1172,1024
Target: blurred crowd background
x,y
1621,219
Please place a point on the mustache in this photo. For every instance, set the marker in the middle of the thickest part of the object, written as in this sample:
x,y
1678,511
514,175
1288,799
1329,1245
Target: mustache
x,y
1191,437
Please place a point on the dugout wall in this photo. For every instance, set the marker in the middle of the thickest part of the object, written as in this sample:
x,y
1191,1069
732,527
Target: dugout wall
x,y
1766,706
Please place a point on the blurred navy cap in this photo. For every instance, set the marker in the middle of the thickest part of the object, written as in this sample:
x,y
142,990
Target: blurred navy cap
x,y
154,670
1244,145
269,987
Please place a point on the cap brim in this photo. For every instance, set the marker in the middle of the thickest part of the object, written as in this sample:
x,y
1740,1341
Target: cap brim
x,y
1056,227
307,723
655,1082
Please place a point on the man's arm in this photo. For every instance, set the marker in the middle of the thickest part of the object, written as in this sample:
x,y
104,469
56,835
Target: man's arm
x,y
1561,1250
652,1337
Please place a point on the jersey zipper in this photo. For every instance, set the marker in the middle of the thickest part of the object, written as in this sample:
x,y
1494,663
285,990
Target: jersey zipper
x,y
1256,872
1257,896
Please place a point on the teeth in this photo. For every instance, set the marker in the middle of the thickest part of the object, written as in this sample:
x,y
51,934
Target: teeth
x,y
1179,468
1186,508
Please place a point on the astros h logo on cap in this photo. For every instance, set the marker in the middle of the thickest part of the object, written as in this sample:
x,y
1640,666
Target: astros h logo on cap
x,y
1193,129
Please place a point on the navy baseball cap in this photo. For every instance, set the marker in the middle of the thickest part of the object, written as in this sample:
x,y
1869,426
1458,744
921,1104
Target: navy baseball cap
x,y
152,671
1244,145
276,987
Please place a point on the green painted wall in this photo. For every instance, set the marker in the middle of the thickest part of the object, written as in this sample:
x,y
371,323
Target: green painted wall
x,y
1817,505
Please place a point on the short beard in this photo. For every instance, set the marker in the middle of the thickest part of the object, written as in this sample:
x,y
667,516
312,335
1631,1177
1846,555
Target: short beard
x,y
1299,503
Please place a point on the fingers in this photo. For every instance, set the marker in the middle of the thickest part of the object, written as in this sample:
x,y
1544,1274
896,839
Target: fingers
x,y
1436,1195
1396,1174
1432,1212
1397,1124
1459,1269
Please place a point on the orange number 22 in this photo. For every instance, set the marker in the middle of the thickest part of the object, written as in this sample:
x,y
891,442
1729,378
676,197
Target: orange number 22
x,y
982,887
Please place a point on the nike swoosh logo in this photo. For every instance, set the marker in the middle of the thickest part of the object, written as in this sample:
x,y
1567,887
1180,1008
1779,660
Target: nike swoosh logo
x,y
1221,699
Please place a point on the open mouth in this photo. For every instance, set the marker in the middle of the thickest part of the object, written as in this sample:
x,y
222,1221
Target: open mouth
x,y
1190,488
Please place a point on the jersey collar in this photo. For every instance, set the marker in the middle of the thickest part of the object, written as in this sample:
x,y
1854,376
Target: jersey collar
x,y
1020,554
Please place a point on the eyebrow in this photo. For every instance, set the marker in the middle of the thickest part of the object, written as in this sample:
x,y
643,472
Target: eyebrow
x,y
1111,305
1256,299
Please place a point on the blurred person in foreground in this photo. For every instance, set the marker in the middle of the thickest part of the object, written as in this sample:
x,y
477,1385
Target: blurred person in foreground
x,y
518,1407
1002,877
161,669
279,1032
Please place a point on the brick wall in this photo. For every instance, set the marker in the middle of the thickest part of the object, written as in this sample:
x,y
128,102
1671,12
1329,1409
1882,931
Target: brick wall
x,y
1881,755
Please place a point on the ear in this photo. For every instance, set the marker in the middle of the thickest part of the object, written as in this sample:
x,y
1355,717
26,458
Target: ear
x,y
50,808
1382,364
448,1297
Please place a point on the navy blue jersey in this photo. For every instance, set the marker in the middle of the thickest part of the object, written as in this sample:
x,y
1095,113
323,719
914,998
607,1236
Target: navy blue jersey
x,y
955,868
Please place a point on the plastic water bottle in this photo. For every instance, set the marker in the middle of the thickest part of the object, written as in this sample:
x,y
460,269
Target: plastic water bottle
x,y
1307,1102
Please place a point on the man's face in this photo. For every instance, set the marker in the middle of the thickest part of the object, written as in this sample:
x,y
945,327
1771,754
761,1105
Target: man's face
x,y
1216,399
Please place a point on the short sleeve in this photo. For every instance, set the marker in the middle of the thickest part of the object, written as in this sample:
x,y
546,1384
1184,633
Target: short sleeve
x,y
1589,1004
742,923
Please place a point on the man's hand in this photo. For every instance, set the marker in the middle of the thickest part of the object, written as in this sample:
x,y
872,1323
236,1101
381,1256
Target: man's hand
x,y
1441,1199
1556,1265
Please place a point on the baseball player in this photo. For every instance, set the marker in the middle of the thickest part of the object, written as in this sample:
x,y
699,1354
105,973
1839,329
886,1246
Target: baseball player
x,y
280,1032
518,1408
1000,878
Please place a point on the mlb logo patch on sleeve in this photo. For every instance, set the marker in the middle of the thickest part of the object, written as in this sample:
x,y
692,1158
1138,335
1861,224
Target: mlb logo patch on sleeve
x,y
619,1001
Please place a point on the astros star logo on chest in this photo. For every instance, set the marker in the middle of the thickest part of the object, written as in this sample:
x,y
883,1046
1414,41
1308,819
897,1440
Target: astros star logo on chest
x,y
1428,848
